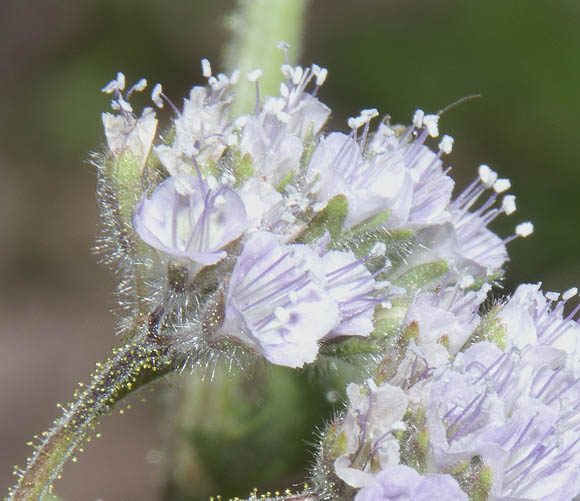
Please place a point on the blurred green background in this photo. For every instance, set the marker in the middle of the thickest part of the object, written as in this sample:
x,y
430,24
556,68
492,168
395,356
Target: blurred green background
x,y
522,56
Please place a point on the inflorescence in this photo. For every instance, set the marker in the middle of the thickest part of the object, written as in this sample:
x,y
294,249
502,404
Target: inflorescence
x,y
262,236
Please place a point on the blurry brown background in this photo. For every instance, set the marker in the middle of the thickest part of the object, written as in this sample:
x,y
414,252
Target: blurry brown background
x,y
522,56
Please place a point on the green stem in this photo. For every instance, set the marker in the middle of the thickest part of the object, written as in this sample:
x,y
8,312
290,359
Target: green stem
x,y
305,496
130,367
258,26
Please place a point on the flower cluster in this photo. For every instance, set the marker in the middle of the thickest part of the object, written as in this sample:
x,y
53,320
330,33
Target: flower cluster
x,y
486,407
264,234
283,238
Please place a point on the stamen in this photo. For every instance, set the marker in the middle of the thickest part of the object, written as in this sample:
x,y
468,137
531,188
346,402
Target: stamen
x,y
501,185
446,144
418,119
488,177
205,68
138,87
508,204
524,229
321,74
431,122
254,76
570,293
116,85
156,95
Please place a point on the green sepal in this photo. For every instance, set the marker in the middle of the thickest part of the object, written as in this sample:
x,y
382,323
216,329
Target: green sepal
x,y
125,174
474,478
330,219
389,321
491,329
309,144
423,439
177,276
243,169
362,243
386,327
168,136
414,439
335,443
211,168
370,223
411,331
485,480
347,348
421,275
493,279
126,183
288,178
444,341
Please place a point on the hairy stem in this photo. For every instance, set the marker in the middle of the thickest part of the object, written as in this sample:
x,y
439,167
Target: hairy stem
x,y
257,27
304,496
130,367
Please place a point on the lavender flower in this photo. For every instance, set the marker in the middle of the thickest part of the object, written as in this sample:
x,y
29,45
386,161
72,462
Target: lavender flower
x,y
125,132
431,187
203,130
338,163
352,286
502,419
465,241
401,483
275,304
447,317
390,173
264,204
186,218
517,413
369,432
439,324
531,317
274,135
